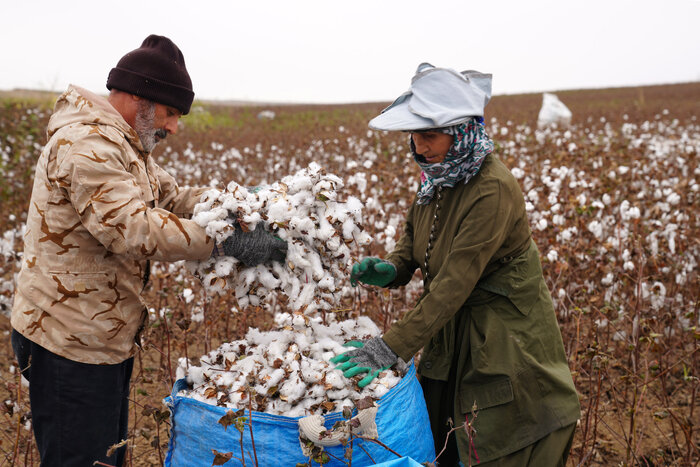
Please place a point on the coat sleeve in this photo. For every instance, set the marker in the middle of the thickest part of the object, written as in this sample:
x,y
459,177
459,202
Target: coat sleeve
x,y
402,255
96,175
178,200
482,231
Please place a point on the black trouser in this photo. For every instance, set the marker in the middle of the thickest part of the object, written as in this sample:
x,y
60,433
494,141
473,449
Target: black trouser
x,y
78,410
439,398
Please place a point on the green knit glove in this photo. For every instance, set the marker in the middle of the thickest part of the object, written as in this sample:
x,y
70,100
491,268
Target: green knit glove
x,y
373,271
371,356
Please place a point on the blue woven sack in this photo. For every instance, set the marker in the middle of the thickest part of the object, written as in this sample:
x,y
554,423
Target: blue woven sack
x,y
401,421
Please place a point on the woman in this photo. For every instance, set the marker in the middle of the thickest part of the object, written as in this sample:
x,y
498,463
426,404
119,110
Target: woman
x,y
492,350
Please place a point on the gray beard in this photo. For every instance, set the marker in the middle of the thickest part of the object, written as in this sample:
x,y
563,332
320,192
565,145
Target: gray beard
x,y
145,116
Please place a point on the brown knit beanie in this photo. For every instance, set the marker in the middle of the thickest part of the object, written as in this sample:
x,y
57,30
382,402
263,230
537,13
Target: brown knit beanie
x,y
155,71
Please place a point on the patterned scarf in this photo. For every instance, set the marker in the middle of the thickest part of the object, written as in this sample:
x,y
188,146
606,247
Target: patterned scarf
x,y
470,146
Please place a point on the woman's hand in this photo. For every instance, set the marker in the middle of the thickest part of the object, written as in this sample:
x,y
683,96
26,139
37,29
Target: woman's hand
x,y
371,356
373,271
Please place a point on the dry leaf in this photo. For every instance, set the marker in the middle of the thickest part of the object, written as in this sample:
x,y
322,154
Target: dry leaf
x,y
220,458
230,418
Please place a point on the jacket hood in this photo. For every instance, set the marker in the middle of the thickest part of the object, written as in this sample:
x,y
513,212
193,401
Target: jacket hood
x,y
80,106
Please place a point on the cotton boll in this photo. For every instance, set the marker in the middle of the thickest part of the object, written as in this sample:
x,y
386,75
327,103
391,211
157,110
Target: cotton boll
x,y
203,216
363,238
316,391
298,320
596,228
218,230
292,390
208,199
299,184
339,394
297,255
278,210
364,327
325,230
225,266
348,229
336,212
303,342
327,283
276,349
252,220
195,375
302,198
292,362
302,225
268,279
233,187
283,319
335,379
379,391
354,206
311,375
305,296
281,407
275,377
326,343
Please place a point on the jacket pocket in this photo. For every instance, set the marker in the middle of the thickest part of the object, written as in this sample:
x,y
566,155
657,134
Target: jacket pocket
x,y
484,396
437,355
525,298
520,281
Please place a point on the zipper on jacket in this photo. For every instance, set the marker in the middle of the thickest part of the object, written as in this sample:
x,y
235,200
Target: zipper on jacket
x,y
147,272
433,234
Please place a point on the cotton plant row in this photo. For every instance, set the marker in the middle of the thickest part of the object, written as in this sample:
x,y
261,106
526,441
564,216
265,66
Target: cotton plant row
x,y
285,371
593,190
618,214
308,211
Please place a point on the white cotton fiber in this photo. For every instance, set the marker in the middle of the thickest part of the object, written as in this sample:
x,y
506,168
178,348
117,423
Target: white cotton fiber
x,y
288,369
297,209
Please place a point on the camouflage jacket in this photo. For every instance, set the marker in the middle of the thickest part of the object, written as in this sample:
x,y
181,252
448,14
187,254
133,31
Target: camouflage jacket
x,y
100,209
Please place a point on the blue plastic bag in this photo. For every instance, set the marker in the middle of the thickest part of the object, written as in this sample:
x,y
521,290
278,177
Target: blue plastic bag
x,y
402,462
402,425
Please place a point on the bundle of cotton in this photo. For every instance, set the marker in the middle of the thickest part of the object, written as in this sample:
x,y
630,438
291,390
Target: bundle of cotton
x,y
306,211
286,371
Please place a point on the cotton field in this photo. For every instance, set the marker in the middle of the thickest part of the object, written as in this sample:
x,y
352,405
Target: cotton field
x,y
613,201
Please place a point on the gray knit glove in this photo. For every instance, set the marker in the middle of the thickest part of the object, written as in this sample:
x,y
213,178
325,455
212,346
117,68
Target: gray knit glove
x,y
254,247
371,356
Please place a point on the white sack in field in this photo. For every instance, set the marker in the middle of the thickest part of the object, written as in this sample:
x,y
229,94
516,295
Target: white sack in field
x,y
553,112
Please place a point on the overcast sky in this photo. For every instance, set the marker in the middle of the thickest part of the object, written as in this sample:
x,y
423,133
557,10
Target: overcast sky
x,y
354,51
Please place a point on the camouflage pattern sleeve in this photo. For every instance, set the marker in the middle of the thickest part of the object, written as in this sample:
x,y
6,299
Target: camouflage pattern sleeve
x,y
178,200
120,212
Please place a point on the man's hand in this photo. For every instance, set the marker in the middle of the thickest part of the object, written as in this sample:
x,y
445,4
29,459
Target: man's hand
x,y
373,271
371,356
254,247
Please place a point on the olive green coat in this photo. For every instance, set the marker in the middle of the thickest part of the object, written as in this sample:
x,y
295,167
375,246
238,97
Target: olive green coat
x,y
486,310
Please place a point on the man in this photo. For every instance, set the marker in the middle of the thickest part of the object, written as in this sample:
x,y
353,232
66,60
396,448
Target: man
x,y
101,209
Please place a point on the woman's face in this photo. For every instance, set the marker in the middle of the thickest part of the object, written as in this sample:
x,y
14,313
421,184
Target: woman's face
x,y
432,145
